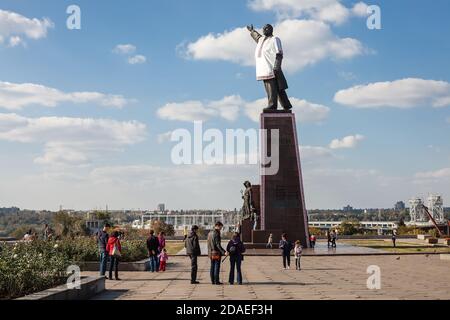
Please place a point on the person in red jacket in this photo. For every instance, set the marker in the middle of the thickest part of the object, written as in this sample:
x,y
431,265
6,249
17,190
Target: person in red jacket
x,y
114,248
312,240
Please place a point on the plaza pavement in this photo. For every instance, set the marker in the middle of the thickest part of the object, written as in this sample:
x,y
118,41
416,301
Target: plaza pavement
x,y
322,277
321,248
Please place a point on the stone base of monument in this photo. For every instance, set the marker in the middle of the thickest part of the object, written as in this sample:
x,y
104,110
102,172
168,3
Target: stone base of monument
x,y
261,236
280,199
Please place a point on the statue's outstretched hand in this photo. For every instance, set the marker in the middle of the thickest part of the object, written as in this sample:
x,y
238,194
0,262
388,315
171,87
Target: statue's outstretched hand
x,y
250,28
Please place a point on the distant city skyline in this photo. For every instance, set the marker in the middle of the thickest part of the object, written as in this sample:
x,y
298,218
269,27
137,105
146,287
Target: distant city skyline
x,y
86,115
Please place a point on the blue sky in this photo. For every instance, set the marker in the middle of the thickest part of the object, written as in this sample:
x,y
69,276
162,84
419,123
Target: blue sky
x,y
396,121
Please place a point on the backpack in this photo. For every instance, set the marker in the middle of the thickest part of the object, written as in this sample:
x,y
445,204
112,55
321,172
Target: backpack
x,y
233,249
115,251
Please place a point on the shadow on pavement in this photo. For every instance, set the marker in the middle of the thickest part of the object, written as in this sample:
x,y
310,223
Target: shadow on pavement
x,y
289,283
110,294
157,279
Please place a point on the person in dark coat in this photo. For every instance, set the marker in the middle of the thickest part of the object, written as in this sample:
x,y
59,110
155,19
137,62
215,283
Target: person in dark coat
x,y
328,238
235,249
102,241
286,248
394,238
215,252
193,251
152,248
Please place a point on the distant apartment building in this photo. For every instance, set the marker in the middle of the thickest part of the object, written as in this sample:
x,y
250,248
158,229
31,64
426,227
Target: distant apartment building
x,y
161,207
94,226
347,208
184,220
381,226
399,206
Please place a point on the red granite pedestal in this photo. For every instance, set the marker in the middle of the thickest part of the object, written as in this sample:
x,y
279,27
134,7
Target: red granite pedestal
x,y
282,197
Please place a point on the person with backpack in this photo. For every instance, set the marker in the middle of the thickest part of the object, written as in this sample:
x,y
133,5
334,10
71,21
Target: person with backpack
x,y
235,249
286,248
102,241
193,251
114,248
152,248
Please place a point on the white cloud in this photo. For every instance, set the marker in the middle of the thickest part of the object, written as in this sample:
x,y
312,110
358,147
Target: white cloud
x,y
138,59
314,153
124,49
328,187
331,11
227,108
305,111
438,174
187,181
129,50
360,9
15,41
404,93
346,142
71,140
305,42
14,27
15,96
164,137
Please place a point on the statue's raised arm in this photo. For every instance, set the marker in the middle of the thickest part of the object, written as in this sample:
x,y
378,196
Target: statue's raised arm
x,y
255,34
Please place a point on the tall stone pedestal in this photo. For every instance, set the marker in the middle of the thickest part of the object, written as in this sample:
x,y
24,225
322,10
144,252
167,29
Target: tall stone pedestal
x,y
282,198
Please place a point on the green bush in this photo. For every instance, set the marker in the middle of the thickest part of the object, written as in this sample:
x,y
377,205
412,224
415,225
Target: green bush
x,y
349,228
28,267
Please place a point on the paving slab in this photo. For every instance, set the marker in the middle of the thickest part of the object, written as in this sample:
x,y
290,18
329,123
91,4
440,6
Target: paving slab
x,y
326,277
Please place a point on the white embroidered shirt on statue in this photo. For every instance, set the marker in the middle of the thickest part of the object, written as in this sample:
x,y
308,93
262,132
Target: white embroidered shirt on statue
x,y
265,55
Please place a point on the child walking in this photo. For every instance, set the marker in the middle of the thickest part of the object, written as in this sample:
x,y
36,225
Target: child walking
x,y
298,250
270,242
163,257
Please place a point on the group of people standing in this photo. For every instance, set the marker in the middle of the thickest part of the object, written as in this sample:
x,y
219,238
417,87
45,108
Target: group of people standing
x,y
286,247
156,246
47,234
234,250
331,238
110,250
